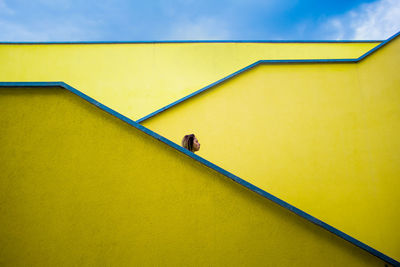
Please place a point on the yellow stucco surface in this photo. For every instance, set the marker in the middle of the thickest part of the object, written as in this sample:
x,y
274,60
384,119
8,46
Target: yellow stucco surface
x,y
79,187
137,79
323,137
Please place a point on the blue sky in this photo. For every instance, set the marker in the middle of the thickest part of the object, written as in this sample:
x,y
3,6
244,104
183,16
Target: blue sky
x,y
124,20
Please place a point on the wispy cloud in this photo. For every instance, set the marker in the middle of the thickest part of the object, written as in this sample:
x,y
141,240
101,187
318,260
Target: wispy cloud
x,y
11,31
205,28
5,9
127,20
59,4
49,20
377,20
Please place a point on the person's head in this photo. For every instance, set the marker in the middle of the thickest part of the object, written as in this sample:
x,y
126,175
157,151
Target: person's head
x,y
191,143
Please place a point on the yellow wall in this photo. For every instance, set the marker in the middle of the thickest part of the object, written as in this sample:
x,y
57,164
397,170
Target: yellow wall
x,y
380,90
137,79
323,137
79,187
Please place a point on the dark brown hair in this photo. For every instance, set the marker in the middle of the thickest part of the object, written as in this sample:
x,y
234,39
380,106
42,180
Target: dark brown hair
x,y
187,142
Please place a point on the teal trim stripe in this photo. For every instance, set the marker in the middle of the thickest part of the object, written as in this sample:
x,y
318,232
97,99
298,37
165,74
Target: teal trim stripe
x,y
290,61
373,50
284,61
211,166
197,92
196,41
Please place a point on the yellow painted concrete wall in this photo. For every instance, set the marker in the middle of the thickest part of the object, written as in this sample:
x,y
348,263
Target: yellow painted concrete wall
x,y
323,137
380,90
79,187
137,79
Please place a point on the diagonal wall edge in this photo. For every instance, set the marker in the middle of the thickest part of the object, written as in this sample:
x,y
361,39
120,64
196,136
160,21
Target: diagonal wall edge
x,y
286,61
210,165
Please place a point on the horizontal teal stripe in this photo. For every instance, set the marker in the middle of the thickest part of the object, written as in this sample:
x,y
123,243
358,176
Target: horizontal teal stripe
x,y
200,41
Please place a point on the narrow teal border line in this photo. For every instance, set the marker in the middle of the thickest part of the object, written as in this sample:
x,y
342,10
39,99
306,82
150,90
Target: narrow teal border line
x,y
196,41
284,61
209,165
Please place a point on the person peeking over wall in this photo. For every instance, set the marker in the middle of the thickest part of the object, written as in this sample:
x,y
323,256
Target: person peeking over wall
x,y
191,143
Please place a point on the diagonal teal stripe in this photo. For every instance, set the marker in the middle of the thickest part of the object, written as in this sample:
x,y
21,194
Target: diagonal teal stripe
x,y
285,61
211,166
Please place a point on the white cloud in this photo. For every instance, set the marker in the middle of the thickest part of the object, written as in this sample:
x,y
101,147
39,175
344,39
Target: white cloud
x,y
58,4
11,31
14,32
376,20
205,28
4,9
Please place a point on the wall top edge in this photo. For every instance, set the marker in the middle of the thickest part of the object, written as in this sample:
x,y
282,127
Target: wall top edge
x,y
188,41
